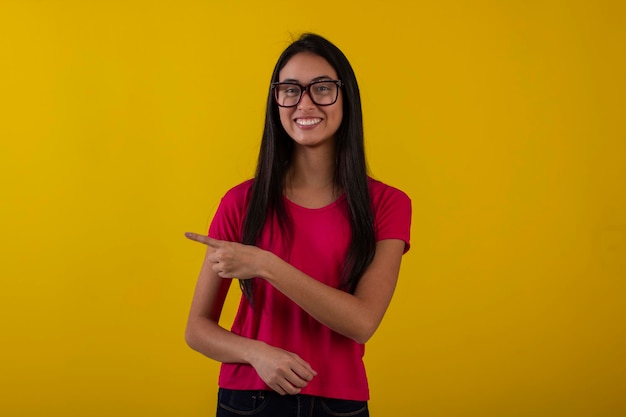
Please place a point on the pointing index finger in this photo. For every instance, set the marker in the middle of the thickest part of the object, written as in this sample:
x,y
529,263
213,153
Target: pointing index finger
x,y
214,243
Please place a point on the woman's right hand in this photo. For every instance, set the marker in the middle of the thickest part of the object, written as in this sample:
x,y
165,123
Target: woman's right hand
x,y
283,371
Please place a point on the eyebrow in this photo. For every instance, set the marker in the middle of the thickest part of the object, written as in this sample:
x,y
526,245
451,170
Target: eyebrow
x,y
292,80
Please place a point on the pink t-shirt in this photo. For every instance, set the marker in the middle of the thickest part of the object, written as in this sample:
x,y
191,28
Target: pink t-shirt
x,y
318,248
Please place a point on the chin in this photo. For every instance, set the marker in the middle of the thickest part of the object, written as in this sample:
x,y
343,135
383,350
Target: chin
x,y
312,142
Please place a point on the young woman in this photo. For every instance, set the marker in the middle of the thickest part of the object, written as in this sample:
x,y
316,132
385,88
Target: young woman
x,y
316,245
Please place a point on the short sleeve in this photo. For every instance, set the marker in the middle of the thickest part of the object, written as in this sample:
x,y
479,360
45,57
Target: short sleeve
x,y
392,213
227,223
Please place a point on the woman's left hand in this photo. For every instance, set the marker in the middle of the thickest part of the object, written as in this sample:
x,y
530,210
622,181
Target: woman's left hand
x,y
230,259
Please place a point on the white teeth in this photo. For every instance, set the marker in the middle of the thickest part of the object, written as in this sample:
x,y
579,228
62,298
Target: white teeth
x,y
308,122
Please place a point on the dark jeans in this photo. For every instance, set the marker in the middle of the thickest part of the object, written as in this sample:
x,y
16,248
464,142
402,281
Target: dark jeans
x,y
236,403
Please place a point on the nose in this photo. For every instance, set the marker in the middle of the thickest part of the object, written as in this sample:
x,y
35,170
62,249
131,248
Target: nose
x,y
305,100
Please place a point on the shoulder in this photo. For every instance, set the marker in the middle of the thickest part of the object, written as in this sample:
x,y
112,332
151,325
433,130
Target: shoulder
x,y
228,219
238,195
381,193
234,203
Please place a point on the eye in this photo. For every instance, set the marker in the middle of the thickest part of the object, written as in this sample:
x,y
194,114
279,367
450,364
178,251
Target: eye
x,y
291,90
323,88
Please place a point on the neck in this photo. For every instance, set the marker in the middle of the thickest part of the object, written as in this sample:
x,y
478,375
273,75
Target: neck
x,y
312,167
310,181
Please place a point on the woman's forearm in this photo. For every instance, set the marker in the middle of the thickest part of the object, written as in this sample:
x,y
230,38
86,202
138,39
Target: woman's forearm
x,y
342,312
283,371
209,338
355,316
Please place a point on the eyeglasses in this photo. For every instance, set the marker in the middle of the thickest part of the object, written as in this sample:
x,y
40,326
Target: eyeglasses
x,y
322,93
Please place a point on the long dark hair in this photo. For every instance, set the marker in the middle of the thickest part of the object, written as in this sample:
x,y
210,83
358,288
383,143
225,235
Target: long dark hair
x,y
266,193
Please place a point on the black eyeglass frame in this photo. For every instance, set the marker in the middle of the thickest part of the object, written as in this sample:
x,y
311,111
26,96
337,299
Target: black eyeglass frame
x,y
304,89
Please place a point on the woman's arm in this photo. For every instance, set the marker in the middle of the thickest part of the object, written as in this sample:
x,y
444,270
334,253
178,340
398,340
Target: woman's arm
x,y
356,316
285,372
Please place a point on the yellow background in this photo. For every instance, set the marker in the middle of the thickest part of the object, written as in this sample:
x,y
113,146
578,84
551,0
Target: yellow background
x,y
123,122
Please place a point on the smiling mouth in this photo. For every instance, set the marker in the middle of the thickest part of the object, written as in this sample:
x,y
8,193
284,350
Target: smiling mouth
x,y
308,122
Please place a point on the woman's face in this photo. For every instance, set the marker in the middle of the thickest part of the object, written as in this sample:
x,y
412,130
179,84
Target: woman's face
x,y
307,123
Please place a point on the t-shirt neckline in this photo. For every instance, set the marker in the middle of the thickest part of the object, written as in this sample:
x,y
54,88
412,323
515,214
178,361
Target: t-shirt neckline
x,y
318,209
